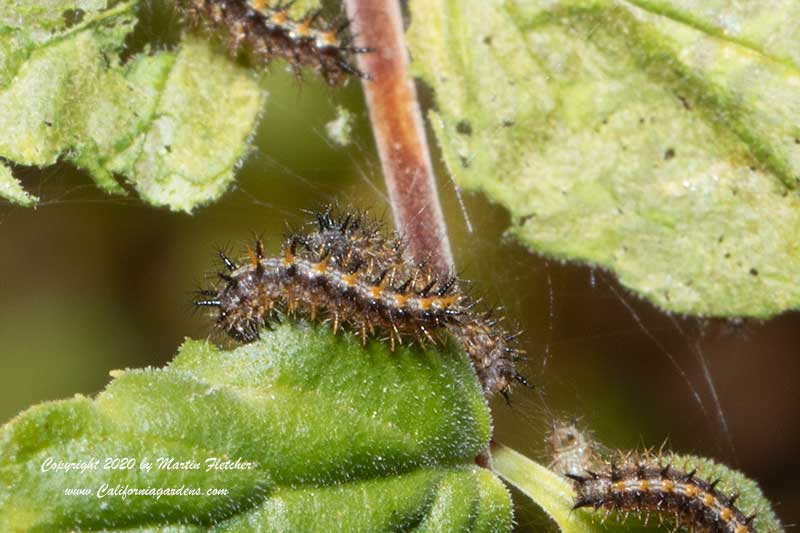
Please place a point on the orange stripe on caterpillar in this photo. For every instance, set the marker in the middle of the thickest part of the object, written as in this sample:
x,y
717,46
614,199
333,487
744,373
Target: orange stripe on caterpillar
x,y
666,485
262,31
349,272
647,485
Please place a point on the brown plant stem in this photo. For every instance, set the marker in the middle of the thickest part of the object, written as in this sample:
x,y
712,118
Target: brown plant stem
x,y
399,130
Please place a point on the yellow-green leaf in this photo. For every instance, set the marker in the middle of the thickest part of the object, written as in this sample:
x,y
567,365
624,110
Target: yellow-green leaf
x,y
658,139
11,188
175,124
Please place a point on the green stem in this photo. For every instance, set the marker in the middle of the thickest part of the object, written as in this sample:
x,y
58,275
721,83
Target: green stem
x,y
546,488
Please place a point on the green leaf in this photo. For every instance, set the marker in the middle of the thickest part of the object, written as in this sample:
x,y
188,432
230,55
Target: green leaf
x,y
175,124
205,109
43,14
363,438
11,188
659,139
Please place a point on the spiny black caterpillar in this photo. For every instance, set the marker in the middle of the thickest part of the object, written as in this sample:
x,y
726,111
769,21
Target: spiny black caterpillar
x,y
261,31
646,484
350,273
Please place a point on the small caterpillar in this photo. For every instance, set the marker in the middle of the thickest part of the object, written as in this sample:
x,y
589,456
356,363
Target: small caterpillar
x,y
350,273
261,33
644,484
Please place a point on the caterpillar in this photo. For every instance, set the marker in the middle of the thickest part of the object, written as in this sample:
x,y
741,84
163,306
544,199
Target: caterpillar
x,y
260,32
348,272
645,484
673,487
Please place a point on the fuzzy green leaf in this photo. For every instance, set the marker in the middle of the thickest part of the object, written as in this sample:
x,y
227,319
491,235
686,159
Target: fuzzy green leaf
x,y
11,188
659,139
175,124
363,438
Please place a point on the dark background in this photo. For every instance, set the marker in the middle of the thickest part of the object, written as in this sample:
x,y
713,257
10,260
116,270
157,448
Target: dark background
x,y
92,283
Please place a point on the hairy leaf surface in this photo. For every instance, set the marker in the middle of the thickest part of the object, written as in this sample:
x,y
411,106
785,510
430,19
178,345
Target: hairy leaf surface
x,y
658,139
363,438
174,124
